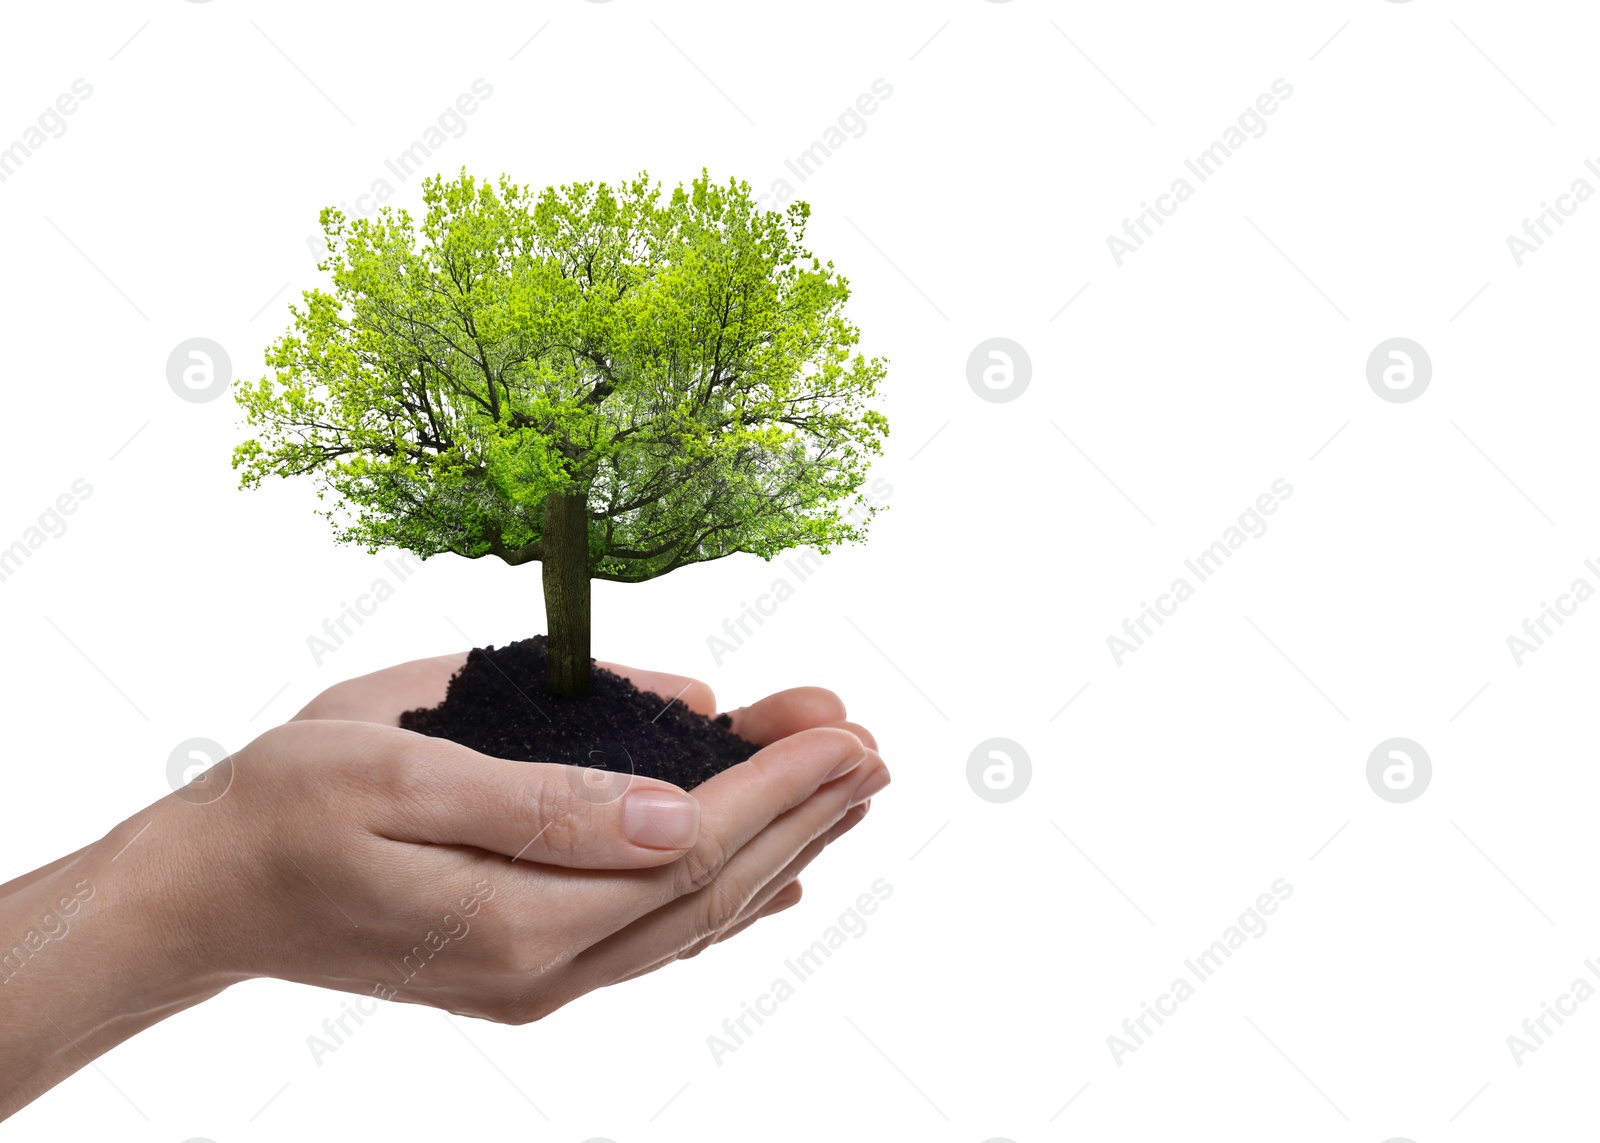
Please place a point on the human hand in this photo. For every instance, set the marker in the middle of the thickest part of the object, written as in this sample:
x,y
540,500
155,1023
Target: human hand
x,y
383,695
336,846
370,859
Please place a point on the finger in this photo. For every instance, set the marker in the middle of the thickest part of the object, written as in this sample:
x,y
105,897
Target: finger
x,y
715,930
786,898
740,803
851,819
873,777
440,793
669,930
692,693
787,712
762,904
762,898
856,729
781,893
405,686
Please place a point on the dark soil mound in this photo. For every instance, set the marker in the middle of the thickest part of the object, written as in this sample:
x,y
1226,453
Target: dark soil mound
x,y
497,705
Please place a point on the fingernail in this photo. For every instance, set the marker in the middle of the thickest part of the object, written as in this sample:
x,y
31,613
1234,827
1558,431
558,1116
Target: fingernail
x,y
847,765
870,785
660,819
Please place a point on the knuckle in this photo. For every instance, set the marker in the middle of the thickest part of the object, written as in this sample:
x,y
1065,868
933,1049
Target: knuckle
x,y
717,911
557,816
700,866
697,948
326,762
402,779
394,776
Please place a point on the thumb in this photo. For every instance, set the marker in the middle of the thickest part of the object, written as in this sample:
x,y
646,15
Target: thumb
x,y
549,814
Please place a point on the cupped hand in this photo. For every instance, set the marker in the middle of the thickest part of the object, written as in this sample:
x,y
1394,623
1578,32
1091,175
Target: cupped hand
x,y
366,858
342,851
378,860
383,695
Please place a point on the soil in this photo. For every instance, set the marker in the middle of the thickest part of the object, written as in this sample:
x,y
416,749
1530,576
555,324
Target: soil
x,y
497,704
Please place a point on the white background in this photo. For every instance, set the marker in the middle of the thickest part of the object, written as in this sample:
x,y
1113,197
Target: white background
x,y
1229,352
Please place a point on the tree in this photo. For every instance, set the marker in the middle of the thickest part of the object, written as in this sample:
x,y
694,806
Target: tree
x,y
610,382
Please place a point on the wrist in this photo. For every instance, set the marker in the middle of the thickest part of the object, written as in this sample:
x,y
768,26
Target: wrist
x,y
94,949
161,907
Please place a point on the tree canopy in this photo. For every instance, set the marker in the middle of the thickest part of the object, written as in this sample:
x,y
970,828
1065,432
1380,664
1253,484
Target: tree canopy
x,y
679,361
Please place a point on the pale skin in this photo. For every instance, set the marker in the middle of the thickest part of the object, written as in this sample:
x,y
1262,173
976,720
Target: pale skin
x,y
343,844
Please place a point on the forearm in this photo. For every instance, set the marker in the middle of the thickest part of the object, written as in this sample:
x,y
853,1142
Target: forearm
x,y
94,948
9,887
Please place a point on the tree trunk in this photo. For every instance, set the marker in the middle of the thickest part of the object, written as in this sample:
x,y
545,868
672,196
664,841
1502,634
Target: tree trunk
x,y
566,592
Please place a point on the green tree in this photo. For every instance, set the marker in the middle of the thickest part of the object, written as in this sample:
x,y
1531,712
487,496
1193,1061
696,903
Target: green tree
x,y
606,380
